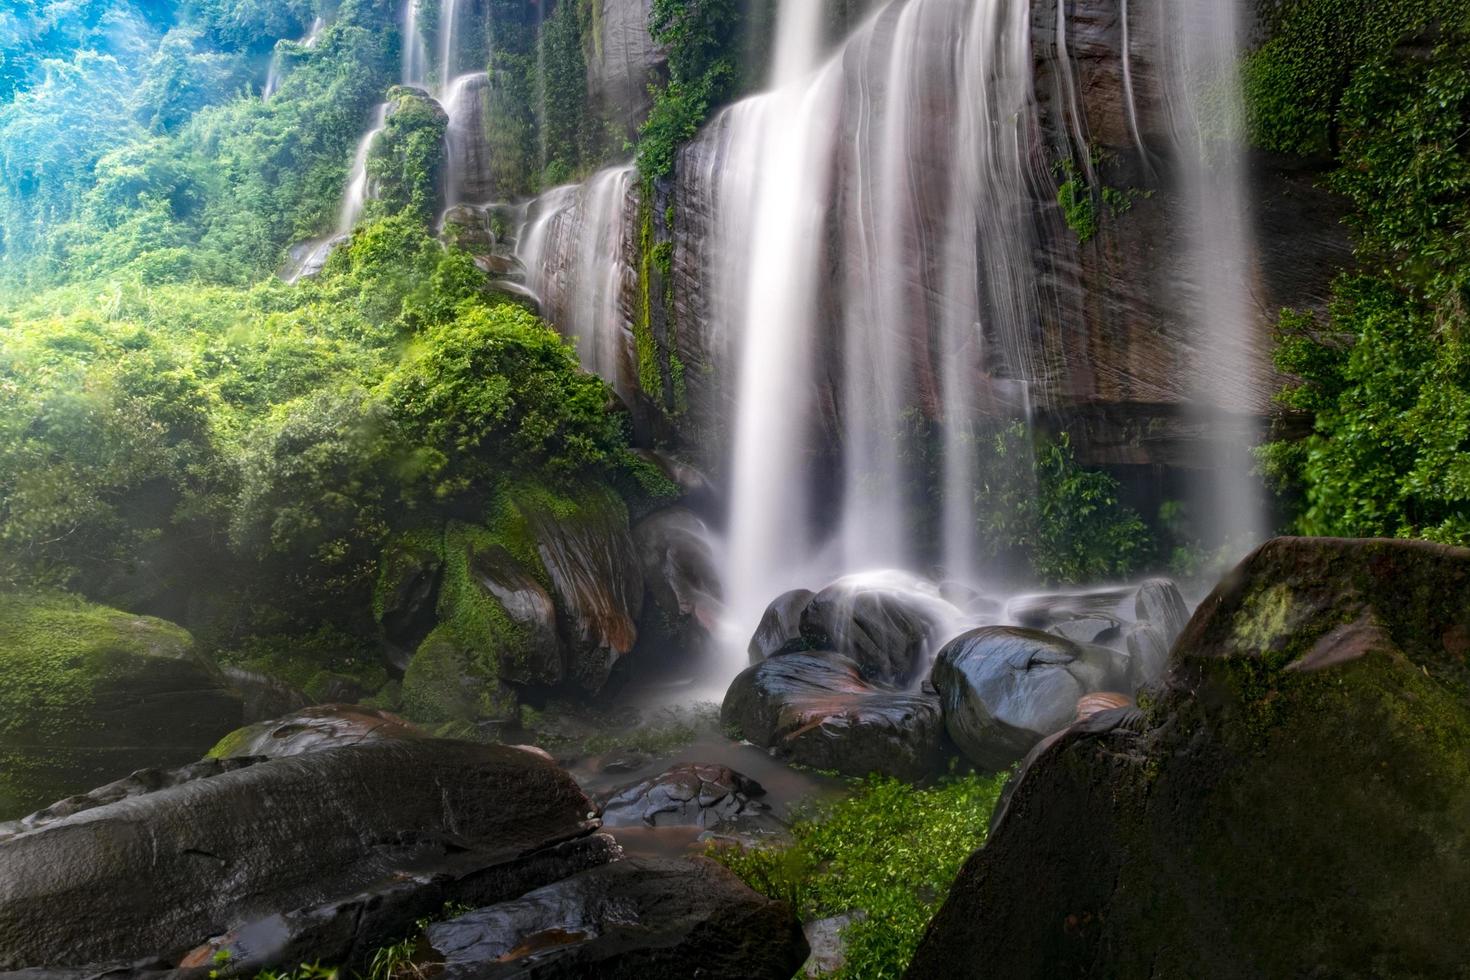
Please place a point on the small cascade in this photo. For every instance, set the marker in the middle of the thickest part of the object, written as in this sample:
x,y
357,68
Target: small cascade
x,y
574,246
275,72
467,173
415,48
887,287
356,196
1206,114
448,49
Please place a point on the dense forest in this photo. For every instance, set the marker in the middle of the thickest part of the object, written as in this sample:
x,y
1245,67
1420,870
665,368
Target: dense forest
x,y
393,360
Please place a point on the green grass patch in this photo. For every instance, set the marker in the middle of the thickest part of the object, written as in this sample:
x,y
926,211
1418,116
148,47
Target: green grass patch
x,y
890,850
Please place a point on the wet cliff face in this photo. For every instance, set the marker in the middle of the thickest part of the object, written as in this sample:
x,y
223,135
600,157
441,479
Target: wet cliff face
x,y
1105,344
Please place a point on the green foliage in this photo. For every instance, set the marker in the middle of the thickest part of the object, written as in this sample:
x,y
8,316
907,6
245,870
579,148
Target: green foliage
x,y
890,851
567,131
1083,206
406,159
704,71
1387,377
1036,505
1295,82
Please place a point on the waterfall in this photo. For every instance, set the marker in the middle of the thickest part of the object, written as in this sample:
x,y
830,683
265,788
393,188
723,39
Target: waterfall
x,y
356,196
1206,114
573,246
415,49
276,70
467,174
897,258
448,23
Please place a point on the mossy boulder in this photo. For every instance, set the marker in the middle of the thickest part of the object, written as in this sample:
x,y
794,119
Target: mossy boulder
x,y
313,729
88,694
1293,800
408,155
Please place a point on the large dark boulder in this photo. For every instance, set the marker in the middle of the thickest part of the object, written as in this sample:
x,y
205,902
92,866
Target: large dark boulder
x,y
323,856
639,919
88,694
1004,689
313,729
1293,801
816,709
888,623
690,795
681,576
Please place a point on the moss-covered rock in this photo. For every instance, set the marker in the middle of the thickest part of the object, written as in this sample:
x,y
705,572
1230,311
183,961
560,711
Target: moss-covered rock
x,y
88,694
313,729
1293,801
408,155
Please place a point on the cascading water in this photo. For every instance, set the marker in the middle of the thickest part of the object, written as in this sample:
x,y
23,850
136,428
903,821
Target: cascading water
x,y
572,247
354,199
922,212
415,48
448,49
1206,113
274,73
467,172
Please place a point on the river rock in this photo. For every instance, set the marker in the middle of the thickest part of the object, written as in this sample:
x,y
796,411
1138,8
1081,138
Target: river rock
x,y
816,709
1004,689
779,630
313,729
638,919
691,795
1294,802
89,694
1160,604
322,856
888,623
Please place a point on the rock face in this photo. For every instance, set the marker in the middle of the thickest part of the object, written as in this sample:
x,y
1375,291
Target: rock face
x,y
706,796
889,624
639,919
324,855
816,709
1294,802
681,577
313,729
88,694
1004,689
625,61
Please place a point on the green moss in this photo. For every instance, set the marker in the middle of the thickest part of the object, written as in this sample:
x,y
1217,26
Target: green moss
x,y
231,744
649,377
1084,206
890,850
401,560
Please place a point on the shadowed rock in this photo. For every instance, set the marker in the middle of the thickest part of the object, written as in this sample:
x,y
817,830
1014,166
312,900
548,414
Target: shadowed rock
x,y
680,574
638,919
1295,802
779,630
325,855
889,624
537,655
815,709
313,729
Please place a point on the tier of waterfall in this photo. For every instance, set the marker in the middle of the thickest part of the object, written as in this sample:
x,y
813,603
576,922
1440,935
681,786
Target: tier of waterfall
x,y
572,246
276,70
467,174
415,48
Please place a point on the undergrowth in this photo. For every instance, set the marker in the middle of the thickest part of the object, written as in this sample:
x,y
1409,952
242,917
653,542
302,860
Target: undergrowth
x,y
888,852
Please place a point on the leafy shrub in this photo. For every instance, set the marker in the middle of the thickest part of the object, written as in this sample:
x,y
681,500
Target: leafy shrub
x,y
889,851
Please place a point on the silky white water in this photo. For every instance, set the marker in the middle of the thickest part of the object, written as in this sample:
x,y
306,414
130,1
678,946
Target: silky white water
x,y
276,70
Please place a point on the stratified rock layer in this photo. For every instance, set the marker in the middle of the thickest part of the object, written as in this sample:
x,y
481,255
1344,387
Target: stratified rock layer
x,y
1293,801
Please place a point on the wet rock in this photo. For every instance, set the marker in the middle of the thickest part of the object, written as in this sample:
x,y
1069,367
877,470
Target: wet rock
x,y
265,697
824,936
692,483
323,855
88,694
1042,611
1089,629
1148,655
1292,804
816,709
680,574
305,260
313,729
888,623
692,795
624,63
532,654
1004,689
1093,704
596,577
639,918
1160,604
779,630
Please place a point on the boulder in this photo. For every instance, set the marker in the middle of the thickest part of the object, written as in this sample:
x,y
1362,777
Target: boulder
x,y
264,696
321,856
1294,802
639,919
779,630
1148,655
691,795
529,650
1004,689
325,726
407,592
816,709
88,694
681,576
1160,604
888,623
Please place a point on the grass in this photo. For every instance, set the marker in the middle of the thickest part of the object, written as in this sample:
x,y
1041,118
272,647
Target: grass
x,y
890,850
